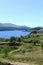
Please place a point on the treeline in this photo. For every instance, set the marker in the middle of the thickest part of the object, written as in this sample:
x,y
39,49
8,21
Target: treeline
x,y
11,39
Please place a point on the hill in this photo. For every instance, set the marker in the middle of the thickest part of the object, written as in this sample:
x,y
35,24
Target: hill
x,y
10,26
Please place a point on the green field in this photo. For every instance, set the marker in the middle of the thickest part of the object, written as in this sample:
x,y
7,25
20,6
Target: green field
x,y
29,49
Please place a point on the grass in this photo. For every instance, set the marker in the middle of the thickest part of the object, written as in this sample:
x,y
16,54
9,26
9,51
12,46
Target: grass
x,y
28,52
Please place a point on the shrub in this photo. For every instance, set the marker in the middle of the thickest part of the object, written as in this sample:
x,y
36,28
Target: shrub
x,y
12,39
42,46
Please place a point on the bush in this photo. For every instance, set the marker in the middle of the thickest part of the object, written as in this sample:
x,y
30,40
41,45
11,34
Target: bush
x,y
19,40
12,39
42,46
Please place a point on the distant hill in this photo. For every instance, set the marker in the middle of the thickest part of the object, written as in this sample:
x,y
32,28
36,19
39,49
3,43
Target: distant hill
x,y
37,28
10,26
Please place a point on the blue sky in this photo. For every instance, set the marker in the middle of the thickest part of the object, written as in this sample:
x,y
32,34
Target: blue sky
x,y
22,12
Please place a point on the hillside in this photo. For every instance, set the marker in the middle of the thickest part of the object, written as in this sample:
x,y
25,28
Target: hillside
x,y
27,49
10,26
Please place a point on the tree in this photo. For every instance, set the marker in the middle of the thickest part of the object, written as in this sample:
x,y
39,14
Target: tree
x,y
19,40
7,40
35,32
36,42
12,39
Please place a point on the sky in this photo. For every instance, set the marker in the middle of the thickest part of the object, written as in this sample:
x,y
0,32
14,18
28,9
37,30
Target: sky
x,y
22,12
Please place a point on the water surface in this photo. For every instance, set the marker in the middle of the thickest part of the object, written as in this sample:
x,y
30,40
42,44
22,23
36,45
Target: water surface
x,y
16,33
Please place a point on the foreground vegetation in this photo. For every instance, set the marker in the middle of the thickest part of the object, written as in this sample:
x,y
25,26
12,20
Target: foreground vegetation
x,y
27,49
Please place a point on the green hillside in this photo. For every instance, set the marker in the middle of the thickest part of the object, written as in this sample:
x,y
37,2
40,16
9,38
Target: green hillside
x,y
27,49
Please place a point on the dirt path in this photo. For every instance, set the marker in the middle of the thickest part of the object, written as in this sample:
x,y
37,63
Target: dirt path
x,y
17,63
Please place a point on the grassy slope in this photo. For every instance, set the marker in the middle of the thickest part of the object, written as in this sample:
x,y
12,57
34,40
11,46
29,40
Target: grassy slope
x,y
27,52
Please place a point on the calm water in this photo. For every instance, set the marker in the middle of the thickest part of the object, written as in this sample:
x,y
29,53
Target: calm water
x,y
8,34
